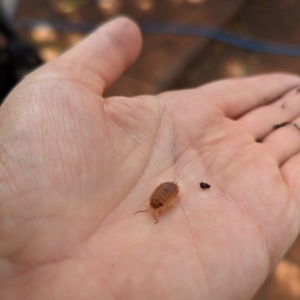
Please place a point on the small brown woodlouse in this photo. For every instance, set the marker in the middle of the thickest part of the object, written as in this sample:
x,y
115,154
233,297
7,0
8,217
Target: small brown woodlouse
x,y
162,197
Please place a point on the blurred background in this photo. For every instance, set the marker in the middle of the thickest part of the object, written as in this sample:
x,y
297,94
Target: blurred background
x,y
186,43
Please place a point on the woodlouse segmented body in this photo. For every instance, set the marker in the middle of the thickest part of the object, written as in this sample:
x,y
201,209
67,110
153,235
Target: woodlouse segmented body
x,y
162,197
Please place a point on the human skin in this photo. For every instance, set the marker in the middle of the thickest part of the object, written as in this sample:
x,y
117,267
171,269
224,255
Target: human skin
x,y
75,167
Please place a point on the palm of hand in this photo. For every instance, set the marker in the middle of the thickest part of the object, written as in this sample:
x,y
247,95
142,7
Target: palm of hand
x,y
88,163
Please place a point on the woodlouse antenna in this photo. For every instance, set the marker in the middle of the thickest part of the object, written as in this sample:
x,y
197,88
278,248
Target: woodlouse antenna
x,y
141,211
156,216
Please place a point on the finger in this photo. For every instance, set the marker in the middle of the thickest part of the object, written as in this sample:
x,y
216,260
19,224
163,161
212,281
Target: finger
x,y
238,96
284,142
263,120
104,55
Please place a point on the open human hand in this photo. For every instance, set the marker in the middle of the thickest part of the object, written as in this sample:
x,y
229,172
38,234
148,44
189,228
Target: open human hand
x,y
75,167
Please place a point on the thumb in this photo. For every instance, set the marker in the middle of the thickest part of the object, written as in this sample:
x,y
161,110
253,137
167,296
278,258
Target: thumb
x,y
104,55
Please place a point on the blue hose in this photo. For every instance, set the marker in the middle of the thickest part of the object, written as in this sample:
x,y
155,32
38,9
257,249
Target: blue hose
x,y
220,35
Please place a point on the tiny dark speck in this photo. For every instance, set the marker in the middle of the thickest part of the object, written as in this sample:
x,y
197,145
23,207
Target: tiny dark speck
x,y
276,126
204,185
258,140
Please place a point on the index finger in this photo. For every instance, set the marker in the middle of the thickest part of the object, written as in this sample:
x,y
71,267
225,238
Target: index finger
x,y
235,97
